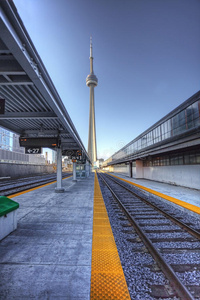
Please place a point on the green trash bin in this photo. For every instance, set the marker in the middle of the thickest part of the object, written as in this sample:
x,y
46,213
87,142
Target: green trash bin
x,y
8,216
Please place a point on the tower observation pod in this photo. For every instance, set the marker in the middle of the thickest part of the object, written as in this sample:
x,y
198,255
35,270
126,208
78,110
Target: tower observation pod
x,y
91,82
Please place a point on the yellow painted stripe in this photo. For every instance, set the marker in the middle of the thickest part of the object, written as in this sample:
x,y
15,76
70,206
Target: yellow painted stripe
x,y
184,204
35,188
107,277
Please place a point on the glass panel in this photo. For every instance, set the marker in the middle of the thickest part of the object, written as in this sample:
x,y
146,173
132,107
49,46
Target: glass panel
x,y
195,110
182,121
162,161
167,161
172,160
192,113
139,144
189,115
156,161
149,138
180,159
186,159
198,158
134,147
163,130
144,141
156,135
179,123
192,158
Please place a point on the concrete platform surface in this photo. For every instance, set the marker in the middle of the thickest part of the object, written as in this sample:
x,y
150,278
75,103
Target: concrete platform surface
x,y
191,196
49,255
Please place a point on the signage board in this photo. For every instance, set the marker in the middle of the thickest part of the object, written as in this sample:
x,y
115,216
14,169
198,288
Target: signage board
x,y
38,142
33,150
74,154
81,161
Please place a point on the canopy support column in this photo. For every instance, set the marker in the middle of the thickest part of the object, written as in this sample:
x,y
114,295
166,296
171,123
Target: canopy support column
x,y
74,171
59,188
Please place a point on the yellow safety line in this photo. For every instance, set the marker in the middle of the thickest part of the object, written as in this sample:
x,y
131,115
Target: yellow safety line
x,y
107,277
35,188
184,204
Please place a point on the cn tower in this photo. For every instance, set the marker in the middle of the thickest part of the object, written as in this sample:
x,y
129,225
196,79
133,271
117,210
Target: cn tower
x,y
92,81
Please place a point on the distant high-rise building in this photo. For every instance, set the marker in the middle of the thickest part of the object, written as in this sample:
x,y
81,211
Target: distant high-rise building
x,y
10,141
15,144
5,139
54,156
92,81
11,151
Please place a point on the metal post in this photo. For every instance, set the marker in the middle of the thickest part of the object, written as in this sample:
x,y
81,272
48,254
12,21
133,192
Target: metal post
x,y
87,168
59,188
130,169
74,171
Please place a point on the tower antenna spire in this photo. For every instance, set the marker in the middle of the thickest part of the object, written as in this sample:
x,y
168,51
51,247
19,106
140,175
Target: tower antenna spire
x,y
91,46
91,57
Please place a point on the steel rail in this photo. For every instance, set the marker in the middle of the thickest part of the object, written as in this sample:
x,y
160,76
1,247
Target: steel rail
x,y
192,231
177,285
28,185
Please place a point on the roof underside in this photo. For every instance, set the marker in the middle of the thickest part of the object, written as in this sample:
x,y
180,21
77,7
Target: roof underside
x,y
32,105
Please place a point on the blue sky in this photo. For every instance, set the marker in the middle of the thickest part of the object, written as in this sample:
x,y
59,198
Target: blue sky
x,y
146,58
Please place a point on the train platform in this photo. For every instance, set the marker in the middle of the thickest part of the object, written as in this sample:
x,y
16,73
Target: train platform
x,y
63,247
49,255
184,198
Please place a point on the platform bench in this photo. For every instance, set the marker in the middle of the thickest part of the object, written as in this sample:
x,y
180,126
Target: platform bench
x,y
8,216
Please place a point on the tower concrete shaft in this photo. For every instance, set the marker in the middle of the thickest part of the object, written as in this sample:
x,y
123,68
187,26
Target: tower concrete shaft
x,y
92,81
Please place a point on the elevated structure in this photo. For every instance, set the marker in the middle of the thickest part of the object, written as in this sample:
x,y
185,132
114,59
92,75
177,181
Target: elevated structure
x,y
92,82
33,108
169,151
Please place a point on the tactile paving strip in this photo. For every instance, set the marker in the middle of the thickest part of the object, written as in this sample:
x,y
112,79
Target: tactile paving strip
x,y
107,277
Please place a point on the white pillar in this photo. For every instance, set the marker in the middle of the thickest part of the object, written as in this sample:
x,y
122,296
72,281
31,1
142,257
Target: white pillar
x,y
139,169
59,188
87,168
74,171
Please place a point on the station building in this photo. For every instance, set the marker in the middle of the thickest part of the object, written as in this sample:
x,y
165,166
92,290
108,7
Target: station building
x,y
169,151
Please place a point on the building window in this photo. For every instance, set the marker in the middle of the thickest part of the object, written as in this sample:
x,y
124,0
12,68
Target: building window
x,y
184,158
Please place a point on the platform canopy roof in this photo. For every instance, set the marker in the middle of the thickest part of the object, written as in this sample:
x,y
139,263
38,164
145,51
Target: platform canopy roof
x,y
33,107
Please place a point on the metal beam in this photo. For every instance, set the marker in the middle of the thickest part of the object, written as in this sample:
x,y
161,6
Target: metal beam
x,y
5,52
64,151
7,78
67,141
11,127
17,83
10,65
46,132
8,73
28,115
14,78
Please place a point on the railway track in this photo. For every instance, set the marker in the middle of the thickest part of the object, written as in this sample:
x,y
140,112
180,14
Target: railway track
x,y
173,245
8,187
